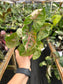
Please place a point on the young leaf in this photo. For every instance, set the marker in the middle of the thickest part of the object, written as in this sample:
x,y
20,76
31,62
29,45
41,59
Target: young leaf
x,y
36,55
43,64
12,40
19,32
56,19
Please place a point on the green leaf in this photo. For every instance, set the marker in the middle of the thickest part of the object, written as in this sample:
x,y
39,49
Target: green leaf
x,y
59,32
43,64
44,31
36,55
40,20
24,52
61,61
56,19
29,39
48,26
25,28
0,13
21,49
49,70
1,20
57,74
42,34
19,32
61,23
48,10
48,58
39,46
20,19
28,20
57,54
12,40
48,77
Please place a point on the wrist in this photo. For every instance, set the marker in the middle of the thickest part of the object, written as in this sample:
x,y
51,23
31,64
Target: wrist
x,y
24,71
25,67
21,74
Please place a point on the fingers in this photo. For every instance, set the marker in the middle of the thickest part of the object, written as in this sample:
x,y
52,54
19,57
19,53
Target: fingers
x,y
30,56
17,53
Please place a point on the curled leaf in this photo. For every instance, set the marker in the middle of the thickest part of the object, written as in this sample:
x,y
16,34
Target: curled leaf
x,y
49,70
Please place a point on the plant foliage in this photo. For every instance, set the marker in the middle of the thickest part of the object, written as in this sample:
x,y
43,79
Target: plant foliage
x,y
33,24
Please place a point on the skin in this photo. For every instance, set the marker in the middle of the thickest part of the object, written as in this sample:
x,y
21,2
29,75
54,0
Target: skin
x,y
23,62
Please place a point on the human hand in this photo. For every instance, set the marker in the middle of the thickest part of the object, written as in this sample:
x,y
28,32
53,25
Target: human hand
x,y
23,62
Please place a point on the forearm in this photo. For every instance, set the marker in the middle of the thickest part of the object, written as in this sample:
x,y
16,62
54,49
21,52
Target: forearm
x,y
18,79
25,80
23,62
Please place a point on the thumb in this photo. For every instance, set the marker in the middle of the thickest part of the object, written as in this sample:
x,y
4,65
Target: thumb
x,y
17,52
30,56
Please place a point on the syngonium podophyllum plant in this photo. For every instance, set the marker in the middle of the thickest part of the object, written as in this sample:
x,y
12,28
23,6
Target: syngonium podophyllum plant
x,y
29,37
